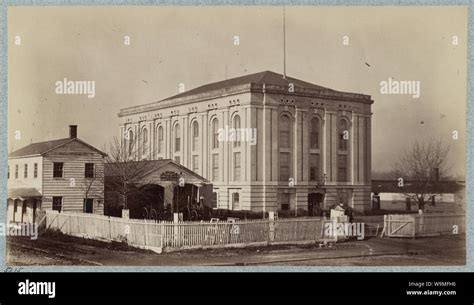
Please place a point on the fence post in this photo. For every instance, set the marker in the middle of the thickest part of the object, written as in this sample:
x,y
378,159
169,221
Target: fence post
x,y
110,230
414,225
175,228
271,223
144,223
163,235
384,226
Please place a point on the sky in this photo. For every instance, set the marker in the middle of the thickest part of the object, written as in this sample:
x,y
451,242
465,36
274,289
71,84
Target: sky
x,y
196,45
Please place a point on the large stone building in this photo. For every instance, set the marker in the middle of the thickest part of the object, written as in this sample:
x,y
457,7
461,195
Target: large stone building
x,y
312,148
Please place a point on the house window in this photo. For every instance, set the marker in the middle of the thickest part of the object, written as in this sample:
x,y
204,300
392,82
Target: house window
x,y
342,168
237,128
16,171
58,169
237,165
160,140
314,133
89,170
195,136
314,167
284,166
195,163
8,172
215,167
284,201
177,138
235,201
215,134
25,171
57,203
35,170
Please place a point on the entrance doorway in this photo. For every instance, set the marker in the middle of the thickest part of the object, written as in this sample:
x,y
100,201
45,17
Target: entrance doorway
x,y
88,205
314,204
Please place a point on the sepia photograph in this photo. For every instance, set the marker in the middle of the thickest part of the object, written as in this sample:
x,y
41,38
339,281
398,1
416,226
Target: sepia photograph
x,y
236,136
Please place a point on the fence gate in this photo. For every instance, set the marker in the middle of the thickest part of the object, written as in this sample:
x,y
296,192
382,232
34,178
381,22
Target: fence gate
x,y
399,225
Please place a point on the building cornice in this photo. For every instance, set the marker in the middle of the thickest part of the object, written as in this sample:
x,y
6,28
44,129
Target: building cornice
x,y
247,88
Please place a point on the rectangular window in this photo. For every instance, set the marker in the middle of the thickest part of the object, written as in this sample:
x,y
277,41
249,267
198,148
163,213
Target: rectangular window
x,y
177,144
58,169
8,173
314,140
35,170
284,166
284,201
314,167
215,167
16,171
235,201
25,171
57,203
89,170
237,166
343,140
285,138
342,168
195,163
160,146
214,200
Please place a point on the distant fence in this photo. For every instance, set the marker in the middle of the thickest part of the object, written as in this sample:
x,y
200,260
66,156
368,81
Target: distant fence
x,y
419,225
165,236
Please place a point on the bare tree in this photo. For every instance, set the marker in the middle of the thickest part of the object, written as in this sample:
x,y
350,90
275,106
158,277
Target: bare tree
x,y
421,169
123,171
92,185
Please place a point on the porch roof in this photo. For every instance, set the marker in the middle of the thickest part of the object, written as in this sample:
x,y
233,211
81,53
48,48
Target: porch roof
x,y
23,193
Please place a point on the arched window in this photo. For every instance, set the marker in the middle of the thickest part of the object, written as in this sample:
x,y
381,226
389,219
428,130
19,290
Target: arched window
x,y
285,126
314,131
144,142
130,142
236,155
195,136
215,134
285,147
177,138
314,146
343,158
343,134
160,139
237,130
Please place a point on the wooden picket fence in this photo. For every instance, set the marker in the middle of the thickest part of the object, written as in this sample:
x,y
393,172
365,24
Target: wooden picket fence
x,y
422,225
169,236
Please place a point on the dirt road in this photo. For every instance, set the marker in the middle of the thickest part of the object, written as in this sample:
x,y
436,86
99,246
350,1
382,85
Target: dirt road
x,y
65,250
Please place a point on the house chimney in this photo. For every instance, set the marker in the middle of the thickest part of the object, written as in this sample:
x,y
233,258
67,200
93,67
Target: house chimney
x,y
72,131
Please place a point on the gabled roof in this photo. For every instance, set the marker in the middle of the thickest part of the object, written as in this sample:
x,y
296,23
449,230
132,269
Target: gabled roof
x,y
265,77
41,148
391,186
150,166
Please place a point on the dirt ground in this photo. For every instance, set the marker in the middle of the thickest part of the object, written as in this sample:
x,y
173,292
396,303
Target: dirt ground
x,y
65,250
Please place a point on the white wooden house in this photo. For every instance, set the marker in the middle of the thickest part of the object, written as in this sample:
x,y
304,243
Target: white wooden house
x,y
64,175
